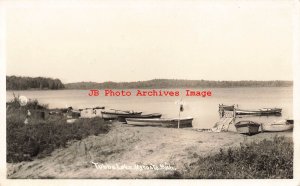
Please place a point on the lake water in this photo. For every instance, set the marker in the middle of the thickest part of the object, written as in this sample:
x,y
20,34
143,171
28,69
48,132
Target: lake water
x,y
204,110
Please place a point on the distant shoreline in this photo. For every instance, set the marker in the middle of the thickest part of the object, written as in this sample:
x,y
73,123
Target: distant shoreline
x,y
144,88
179,84
40,83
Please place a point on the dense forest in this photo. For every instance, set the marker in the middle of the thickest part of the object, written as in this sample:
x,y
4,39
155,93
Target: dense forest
x,y
173,83
24,83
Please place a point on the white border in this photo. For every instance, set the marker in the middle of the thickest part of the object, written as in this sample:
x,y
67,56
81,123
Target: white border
x,y
296,98
58,182
2,94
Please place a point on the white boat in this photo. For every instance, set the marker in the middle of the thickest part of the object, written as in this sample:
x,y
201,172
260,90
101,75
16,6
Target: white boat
x,y
278,126
114,114
161,122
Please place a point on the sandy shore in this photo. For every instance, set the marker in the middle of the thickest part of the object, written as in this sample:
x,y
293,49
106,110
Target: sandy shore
x,y
128,152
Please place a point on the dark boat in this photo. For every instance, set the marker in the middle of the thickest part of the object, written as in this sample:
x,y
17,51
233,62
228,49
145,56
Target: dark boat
x,y
154,115
114,114
99,107
259,112
247,127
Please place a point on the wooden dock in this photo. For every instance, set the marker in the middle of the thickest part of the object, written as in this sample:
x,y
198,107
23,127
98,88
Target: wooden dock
x,y
223,124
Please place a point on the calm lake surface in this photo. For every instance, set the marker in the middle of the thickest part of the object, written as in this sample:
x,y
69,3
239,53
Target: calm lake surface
x,y
204,110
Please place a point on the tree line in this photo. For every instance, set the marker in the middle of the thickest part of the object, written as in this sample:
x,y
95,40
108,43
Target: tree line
x,y
25,83
173,83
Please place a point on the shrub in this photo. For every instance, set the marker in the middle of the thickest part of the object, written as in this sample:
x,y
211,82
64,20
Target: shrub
x,y
41,137
266,159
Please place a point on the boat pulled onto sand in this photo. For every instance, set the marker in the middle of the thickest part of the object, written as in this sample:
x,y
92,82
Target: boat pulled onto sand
x,y
278,126
153,115
114,114
161,122
247,127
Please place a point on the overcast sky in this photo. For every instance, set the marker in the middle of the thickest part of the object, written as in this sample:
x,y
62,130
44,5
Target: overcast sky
x,y
142,40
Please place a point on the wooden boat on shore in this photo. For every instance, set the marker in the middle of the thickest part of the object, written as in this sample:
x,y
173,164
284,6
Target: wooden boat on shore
x,y
247,127
154,115
160,122
279,126
259,112
114,114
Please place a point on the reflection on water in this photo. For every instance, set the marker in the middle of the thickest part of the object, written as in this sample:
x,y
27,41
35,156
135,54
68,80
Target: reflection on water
x,y
204,110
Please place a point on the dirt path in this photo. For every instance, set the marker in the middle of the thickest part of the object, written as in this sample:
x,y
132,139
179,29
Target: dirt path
x,y
122,152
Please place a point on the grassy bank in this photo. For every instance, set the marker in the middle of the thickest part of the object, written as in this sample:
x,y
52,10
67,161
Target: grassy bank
x,y
40,137
193,154
267,159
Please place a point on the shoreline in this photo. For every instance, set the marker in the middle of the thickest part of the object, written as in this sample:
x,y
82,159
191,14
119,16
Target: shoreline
x,y
127,145
141,88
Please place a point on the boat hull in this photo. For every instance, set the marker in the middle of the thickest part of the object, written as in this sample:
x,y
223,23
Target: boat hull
x,y
247,127
260,112
123,118
277,128
172,123
115,115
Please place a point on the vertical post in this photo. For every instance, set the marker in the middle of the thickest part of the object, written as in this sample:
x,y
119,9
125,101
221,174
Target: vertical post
x,y
180,103
233,112
179,116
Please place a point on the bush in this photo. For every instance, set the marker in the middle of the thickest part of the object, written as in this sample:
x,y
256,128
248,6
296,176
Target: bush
x,y
41,137
267,159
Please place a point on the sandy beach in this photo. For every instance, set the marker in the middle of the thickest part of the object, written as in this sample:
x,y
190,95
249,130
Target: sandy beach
x,y
128,152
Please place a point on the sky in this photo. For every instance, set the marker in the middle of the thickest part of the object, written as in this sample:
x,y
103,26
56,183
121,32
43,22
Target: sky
x,y
141,40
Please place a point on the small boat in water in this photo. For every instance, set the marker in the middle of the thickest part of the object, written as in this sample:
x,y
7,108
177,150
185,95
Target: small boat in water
x,y
279,126
259,112
154,115
114,114
161,122
247,127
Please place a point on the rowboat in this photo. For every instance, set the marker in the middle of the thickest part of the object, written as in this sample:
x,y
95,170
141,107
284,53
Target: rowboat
x,y
114,114
278,126
247,127
154,115
160,122
270,110
259,112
